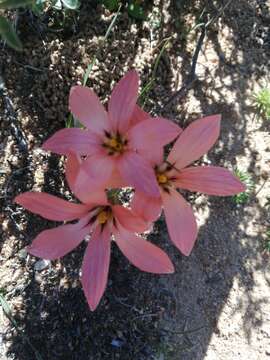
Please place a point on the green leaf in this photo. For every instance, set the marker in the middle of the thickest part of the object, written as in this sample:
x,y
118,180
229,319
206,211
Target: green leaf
x,y
11,4
112,23
89,69
9,35
38,7
7,310
70,121
136,11
71,4
111,5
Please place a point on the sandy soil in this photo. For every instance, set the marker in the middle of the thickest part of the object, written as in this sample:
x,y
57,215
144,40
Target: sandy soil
x,y
216,305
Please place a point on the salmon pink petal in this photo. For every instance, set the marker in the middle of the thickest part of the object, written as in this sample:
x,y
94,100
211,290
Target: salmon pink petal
x,y
152,133
95,266
211,180
138,116
85,106
150,136
148,208
123,100
195,141
180,221
137,172
129,220
87,197
93,197
54,243
73,164
51,207
155,157
116,180
93,175
80,141
142,254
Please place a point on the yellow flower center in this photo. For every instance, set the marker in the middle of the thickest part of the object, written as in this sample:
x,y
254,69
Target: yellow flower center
x,y
115,144
102,217
162,179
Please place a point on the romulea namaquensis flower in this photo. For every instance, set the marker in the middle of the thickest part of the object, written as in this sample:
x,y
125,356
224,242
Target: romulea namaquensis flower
x,y
117,144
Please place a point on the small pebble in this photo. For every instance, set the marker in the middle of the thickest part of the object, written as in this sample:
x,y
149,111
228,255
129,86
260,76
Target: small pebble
x,y
117,343
41,265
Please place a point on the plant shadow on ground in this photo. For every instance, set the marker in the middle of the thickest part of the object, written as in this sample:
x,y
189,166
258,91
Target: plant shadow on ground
x,y
142,316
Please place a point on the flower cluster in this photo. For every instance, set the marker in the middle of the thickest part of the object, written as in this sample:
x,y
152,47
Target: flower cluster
x,y
124,147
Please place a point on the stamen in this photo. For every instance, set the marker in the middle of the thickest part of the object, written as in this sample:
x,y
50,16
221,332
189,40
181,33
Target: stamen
x,y
115,143
102,217
162,178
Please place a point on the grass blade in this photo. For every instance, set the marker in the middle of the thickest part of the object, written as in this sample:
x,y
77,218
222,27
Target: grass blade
x,y
149,85
88,70
112,23
9,35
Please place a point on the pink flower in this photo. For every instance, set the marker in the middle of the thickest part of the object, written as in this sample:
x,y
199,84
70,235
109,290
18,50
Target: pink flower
x,y
118,144
194,141
96,216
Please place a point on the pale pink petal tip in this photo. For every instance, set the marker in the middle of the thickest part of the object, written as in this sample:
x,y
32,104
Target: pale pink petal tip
x,y
50,207
54,243
85,105
211,180
95,266
142,254
74,140
123,100
195,141
180,221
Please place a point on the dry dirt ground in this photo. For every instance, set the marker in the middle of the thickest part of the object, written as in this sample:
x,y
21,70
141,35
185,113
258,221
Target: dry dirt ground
x,y
217,304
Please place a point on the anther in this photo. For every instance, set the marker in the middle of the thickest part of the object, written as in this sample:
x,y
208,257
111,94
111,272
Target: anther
x,y
162,178
102,217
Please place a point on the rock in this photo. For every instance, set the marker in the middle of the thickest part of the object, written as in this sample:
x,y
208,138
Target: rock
x,y
22,254
117,342
41,265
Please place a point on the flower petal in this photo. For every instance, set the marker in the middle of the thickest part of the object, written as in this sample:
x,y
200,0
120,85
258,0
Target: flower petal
x,y
138,116
150,136
116,180
77,140
142,254
123,100
211,180
85,105
152,133
95,266
148,208
93,175
137,172
51,207
73,166
195,141
129,220
180,221
54,243
155,157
